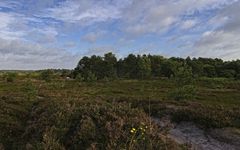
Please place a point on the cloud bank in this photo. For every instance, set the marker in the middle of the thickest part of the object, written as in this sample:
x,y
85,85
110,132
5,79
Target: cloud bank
x,y
56,33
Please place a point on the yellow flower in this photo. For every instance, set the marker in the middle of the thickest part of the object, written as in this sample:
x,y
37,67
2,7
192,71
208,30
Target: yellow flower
x,y
133,130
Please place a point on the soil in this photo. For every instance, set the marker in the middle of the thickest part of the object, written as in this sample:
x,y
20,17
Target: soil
x,y
188,133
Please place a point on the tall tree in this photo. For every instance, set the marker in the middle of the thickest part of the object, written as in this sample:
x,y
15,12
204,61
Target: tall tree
x,y
143,67
110,65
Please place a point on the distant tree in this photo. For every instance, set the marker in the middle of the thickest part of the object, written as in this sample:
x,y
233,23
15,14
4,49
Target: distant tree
x,y
197,66
110,65
156,64
121,69
209,71
238,77
184,82
143,67
139,67
46,75
227,73
91,77
169,67
79,77
65,73
94,64
183,76
97,66
130,64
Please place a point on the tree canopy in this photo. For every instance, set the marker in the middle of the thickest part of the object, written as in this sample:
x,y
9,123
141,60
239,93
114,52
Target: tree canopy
x,y
147,66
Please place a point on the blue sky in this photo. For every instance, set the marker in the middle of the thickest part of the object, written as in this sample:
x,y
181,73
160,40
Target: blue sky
x,y
38,34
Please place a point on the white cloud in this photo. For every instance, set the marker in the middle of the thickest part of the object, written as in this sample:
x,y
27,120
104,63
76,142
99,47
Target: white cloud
x,y
7,20
25,39
224,41
84,12
9,4
93,36
70,44
16,54
188,24
152,16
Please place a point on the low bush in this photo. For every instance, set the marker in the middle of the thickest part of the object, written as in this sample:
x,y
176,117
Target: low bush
x,y
11,77
187,92
209,116
92,126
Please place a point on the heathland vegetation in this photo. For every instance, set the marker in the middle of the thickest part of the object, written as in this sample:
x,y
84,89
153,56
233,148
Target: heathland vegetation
x,y
110,103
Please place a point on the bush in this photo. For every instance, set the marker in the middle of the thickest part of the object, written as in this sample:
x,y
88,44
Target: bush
x,y
30,90
79,78
238,76
46,75
187,92
11,77
209,116
184,82
91,77
93,126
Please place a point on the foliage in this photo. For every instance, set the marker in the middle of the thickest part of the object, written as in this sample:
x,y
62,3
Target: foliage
x,y
146,66
185,89
84,127
91,77
187,92
143,67
46,75
209,116
79,77
64,114
11,77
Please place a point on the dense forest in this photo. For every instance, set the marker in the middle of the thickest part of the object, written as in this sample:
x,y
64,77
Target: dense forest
x,y
150,66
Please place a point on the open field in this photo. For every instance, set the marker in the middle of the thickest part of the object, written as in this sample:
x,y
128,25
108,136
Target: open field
x,y
66,113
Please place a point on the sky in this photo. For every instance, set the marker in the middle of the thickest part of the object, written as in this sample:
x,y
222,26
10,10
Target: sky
x,y
40,34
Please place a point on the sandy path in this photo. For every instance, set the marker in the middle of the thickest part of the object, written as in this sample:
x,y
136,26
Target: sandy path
x,y
189,133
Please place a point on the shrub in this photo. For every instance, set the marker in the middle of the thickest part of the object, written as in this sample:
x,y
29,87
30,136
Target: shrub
x,y
209,116
30,90
187,92
11,77
91,77
79,78
93,126
238,76
185,88
46,75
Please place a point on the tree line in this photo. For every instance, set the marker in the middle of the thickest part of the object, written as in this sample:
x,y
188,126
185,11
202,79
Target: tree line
x,y
152,66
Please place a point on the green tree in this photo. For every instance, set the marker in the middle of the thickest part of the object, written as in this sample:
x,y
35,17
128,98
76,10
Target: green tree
x,y
209,71
184,82
156,64
110,68
91,77
169,67
46,75
130,66
143,67
79,77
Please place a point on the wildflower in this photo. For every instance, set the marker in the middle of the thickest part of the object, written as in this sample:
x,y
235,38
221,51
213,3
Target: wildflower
x,y
133,130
